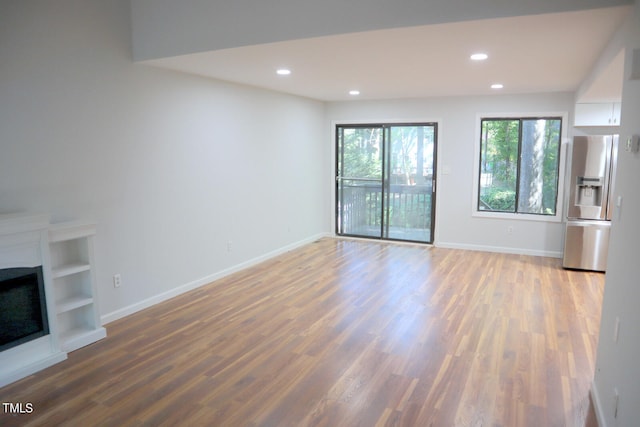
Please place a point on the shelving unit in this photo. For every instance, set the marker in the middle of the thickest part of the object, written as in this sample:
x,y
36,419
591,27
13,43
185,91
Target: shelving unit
x,y
71,250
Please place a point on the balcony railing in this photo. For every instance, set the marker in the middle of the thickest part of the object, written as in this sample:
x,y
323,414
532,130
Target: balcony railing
x,y
408,207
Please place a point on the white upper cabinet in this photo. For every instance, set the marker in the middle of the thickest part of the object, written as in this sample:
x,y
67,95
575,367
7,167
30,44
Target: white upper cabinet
x,y
597,114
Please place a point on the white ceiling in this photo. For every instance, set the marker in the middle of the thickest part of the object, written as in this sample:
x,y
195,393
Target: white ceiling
x,y
528,54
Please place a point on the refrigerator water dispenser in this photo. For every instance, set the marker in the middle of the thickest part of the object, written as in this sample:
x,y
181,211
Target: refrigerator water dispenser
x,y
589,191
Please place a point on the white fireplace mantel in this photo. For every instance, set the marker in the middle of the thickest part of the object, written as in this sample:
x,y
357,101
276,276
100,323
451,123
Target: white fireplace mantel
x,y
24,243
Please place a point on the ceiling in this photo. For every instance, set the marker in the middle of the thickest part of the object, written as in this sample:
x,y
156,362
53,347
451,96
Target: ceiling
x,y
527,54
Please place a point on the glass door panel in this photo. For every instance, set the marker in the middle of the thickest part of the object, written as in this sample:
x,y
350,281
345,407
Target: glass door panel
x,y
409,209
359,181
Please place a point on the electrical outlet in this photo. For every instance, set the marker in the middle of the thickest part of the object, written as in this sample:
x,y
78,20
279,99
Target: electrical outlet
x,y
510,229
633,143
229,246
117,280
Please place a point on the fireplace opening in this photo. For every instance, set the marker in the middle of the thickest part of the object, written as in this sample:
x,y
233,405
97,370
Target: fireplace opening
x,y
23,309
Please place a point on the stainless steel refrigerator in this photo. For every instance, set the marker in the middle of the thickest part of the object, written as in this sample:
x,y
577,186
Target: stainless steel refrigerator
x,y
592,175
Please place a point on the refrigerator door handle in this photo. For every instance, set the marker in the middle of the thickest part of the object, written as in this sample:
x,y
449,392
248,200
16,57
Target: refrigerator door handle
x,y
607,175
613,164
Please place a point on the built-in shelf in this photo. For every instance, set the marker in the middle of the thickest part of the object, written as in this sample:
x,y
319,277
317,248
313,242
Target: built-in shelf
x,y
71,250
69,269
73,302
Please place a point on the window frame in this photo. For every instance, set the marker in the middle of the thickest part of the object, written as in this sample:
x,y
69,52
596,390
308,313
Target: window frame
x,y
558,217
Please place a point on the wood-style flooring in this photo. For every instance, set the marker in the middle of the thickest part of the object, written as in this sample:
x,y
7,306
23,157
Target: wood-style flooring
x,y
342,333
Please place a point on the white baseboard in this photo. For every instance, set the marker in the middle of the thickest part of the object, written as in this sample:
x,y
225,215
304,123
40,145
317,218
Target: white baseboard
x,y
133,308
597,405
499,249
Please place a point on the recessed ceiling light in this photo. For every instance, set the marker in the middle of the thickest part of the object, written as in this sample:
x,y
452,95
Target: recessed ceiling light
x,y
283,71
479,56
354,92
497,86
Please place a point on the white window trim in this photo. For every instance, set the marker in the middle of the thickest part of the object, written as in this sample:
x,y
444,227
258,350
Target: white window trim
x,y
564,141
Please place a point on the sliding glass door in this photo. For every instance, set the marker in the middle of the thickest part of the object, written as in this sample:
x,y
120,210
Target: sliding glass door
x,y
385,181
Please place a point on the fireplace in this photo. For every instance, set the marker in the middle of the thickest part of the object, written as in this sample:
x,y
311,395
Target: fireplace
x,y
23,307
28,332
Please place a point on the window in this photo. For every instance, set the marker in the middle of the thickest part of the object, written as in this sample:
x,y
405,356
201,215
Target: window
x,y
519,165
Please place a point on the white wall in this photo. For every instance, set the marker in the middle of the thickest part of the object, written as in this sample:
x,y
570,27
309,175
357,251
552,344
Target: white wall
x,y
171,28
171,166
458,136
617,363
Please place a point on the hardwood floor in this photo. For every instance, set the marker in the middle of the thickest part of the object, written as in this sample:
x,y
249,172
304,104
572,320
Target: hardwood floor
x,y
342,333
